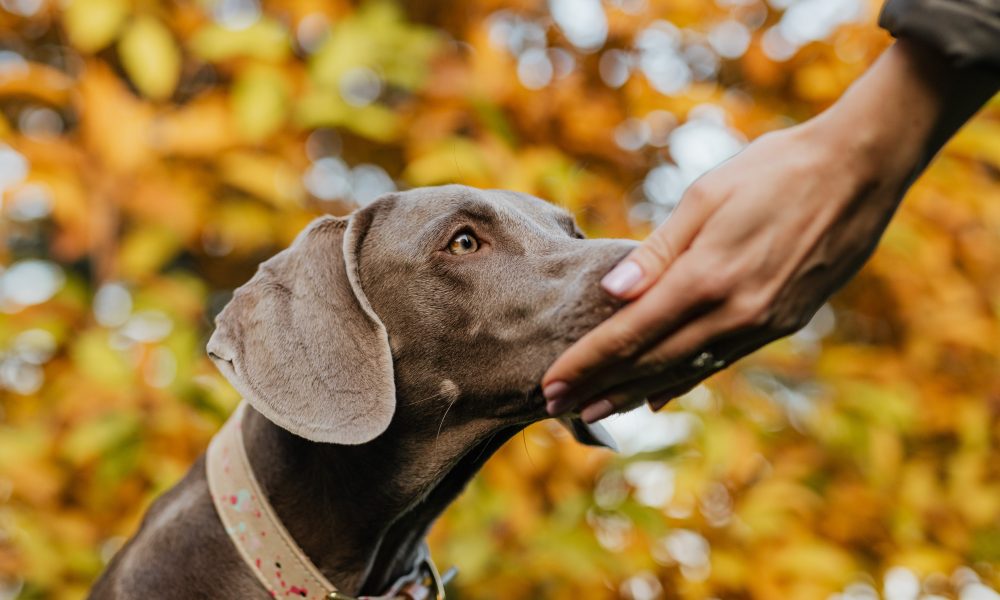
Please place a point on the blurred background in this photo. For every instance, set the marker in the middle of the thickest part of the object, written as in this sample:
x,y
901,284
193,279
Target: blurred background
x,y
153,153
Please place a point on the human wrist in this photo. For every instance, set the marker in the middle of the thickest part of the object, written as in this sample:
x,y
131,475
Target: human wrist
x,y
886,119
895,118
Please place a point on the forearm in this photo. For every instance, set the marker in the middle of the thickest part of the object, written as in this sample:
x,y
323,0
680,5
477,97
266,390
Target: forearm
x,y
904,108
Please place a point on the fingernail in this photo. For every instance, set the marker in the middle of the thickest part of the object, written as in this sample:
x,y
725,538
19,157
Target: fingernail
x,y
558,406
597,411
622,278
555,390
659,403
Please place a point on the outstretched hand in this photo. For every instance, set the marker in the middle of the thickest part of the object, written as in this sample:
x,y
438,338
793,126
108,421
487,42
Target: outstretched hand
x,y
757,245
750,253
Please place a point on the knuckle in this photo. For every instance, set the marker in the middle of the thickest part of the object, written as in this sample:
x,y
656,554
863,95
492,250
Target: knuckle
x,y
659,251
715,285
657,362
698,193
752,311
623,341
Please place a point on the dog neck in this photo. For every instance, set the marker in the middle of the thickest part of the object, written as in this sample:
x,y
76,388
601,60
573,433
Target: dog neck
x,y
361,513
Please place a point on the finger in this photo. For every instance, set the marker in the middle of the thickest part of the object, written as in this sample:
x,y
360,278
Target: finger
x,y
733,352
626,332
658,401
718,329
647,263
674,353
630,395
721,334
623,398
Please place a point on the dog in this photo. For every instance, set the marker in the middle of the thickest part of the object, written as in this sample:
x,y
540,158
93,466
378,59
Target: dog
x,y
383,357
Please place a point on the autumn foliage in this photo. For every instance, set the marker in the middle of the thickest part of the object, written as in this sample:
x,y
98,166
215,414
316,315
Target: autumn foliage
x,y
153,153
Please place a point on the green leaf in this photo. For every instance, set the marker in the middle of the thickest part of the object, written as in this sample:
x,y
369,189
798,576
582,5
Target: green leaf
x,y
98,437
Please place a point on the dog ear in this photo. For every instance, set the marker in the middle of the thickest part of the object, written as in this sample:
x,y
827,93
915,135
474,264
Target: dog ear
x,y
302,344
593,434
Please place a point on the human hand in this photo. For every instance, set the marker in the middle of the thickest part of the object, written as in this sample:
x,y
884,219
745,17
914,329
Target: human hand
x,y
758,244
750,253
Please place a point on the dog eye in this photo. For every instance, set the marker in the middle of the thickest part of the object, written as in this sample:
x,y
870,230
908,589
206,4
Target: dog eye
x,y
463,243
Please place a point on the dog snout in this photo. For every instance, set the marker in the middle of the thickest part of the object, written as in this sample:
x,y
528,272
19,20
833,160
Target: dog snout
x,y
613,252
585,303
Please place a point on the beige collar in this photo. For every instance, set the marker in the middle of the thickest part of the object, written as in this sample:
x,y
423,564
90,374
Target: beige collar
x,y
264,543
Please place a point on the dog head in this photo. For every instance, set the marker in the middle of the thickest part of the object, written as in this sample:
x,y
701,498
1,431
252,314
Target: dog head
x,y
436,299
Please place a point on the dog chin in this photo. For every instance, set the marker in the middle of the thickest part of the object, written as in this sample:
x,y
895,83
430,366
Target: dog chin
x,y
522,408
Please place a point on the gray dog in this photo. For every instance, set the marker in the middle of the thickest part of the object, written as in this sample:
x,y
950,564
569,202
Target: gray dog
x,y
384,356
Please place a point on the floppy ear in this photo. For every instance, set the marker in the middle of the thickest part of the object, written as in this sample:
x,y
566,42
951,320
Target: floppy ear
x,y
589,434
302,344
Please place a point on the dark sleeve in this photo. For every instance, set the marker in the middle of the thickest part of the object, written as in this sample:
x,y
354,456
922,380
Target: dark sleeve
x,y
966,31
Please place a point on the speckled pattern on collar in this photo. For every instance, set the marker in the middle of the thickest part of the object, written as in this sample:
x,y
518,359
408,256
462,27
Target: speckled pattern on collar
x,y
264,543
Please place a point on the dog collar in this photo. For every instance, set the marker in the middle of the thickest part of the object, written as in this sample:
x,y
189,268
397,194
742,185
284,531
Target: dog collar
x,y
264,543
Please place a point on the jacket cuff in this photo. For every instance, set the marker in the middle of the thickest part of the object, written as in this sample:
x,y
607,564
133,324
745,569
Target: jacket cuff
x,y
967,32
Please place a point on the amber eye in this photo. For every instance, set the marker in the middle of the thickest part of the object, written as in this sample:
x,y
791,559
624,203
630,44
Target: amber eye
x,y
463,243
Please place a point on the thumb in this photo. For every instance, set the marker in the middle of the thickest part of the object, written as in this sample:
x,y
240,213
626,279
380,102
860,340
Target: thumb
x,y
644,265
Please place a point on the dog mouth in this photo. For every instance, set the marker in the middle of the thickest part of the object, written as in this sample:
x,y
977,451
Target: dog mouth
x,y
521,408
535,403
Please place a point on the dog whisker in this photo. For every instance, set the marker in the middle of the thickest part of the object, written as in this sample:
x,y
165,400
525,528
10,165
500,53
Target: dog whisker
x,y
524,440
443,417
485,446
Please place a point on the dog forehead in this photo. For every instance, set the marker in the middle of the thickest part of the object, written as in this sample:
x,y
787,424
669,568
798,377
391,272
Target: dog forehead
x,y
514,209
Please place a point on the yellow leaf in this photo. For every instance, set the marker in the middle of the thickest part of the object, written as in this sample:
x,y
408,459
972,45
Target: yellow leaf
x,y
145,249
150,57
451,160
109,107
92,439
374,122
265,176
40,81
326,109
242,227
925,559
260,102
817,82
980,140
24,462
93,24
266,39
201,127
94,357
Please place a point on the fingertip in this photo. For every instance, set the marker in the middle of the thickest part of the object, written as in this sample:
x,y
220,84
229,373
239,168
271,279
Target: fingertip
x,y
621,280
558,407
555,390
597,411
658,401
570,368
637,272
